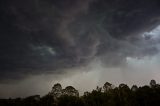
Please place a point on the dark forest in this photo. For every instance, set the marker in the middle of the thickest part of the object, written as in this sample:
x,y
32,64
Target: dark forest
x,y
108,95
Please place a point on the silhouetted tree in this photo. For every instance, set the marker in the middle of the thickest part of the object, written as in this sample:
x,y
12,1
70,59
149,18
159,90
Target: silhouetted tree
x,y
56,91
152,83
134,88
107,86
70,91
148,95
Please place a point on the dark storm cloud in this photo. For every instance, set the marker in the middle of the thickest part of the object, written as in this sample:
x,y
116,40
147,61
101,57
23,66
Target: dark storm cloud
x,y
41,36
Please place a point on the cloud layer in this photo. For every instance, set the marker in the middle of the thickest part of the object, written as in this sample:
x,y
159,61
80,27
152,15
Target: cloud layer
x,y
47,36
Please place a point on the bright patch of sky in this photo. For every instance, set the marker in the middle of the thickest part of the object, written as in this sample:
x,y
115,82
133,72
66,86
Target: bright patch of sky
x,y
154,34
44,50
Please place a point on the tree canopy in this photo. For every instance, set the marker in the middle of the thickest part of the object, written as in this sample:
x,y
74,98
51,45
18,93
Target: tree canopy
x,y
123,95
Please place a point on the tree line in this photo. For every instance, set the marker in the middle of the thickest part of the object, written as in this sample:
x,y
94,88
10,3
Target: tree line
x,y
108,95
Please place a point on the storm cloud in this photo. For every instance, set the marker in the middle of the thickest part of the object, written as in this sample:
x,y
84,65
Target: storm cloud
x,y
48,36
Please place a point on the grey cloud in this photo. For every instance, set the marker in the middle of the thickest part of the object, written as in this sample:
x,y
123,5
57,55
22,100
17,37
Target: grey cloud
x,y
43,36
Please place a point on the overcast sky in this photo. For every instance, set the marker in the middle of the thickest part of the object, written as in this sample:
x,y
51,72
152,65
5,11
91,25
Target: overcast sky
x,y
82,43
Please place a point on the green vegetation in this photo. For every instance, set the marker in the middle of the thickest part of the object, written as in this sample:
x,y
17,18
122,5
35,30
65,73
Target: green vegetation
x,y
108,95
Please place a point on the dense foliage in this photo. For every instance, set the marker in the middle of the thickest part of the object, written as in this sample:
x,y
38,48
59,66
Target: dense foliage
x,y
108,95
